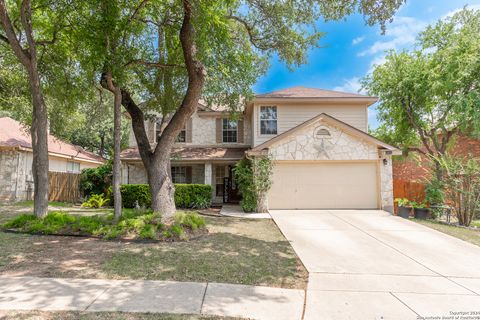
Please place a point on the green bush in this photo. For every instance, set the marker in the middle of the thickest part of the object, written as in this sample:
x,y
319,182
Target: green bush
x,y
244,177
190,220
135,194
186,195
141,224
193,195
96,201
96,180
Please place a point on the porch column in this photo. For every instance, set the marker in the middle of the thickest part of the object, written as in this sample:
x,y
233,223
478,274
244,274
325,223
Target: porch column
x,y
208,173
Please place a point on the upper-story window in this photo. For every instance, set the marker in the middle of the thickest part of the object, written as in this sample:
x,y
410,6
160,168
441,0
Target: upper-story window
x,y
268,120
229,130
182,136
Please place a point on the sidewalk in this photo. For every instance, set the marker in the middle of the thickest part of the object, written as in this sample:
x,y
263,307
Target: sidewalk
x,y
233,210
50,294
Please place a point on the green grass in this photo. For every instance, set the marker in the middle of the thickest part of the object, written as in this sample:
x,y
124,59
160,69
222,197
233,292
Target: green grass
x,y
476,223
29,203
73,315
469,235
239,251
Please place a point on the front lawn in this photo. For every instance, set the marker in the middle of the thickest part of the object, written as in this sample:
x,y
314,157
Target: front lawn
x,y
242,251
73,315
469,235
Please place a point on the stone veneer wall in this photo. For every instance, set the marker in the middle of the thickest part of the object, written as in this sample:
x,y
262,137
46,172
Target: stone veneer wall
x,y
13,176
340,146
386,184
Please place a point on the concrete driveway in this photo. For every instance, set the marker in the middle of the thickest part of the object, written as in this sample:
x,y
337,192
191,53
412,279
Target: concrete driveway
x,y
371,265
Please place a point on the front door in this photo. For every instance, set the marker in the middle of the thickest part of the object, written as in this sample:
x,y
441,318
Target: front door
x,y
231,193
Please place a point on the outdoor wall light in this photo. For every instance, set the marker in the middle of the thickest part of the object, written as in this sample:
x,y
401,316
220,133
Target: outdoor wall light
x,y
385,162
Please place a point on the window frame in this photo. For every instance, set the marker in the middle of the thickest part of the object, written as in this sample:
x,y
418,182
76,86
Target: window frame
x,y
75,165
268,119
173,170
227,130
182,133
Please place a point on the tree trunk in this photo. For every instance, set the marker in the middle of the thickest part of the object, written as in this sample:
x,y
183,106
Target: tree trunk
x,y
157,162
117,124
162,189
39,132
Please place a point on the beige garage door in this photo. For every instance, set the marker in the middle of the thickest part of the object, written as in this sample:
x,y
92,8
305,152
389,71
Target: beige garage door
x,y
322,185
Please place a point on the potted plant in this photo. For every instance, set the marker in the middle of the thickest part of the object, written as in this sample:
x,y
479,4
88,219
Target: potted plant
x,y
420,210
404,207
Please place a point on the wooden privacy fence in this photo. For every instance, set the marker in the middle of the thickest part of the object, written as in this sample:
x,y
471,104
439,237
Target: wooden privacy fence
x,y
413,191
63,186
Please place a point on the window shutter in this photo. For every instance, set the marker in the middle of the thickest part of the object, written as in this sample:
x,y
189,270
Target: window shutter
x,y
188,130
240,134
219,130
189,174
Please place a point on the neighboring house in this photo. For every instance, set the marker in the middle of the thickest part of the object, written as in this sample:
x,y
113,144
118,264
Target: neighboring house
x,y
324,159
16,180
417,168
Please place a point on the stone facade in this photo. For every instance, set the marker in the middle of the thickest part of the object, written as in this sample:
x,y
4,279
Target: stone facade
x,y
310,144
386,183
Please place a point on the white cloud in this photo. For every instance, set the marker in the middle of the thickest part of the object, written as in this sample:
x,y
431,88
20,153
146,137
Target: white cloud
x,y
358,40
470,7
350,85
400,33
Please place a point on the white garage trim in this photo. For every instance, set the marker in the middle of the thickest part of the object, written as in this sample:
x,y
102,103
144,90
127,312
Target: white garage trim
x,y
325,185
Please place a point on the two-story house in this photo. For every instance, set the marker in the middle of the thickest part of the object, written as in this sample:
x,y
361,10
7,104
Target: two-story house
x,y
324,158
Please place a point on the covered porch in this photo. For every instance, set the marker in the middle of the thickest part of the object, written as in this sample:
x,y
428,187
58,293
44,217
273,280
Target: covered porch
x,y
212,166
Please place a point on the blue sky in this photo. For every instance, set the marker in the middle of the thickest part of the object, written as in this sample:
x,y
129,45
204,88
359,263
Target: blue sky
x,y
350,49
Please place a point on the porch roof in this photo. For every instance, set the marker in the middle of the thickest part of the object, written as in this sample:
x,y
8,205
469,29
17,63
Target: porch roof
x,y
193,154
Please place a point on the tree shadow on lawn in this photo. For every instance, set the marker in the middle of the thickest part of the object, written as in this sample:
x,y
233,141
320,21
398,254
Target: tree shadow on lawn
x,y
220,257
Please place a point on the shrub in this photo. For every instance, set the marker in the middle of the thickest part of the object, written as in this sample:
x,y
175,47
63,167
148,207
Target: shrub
x,y
135,194
95,201
191,195
20,221
243,172
147,232
96,180
462,187
186,195
190,220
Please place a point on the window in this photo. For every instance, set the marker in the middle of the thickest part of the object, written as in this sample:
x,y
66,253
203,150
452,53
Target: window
x,y
182,136
73,166
268,120
229,130
179,174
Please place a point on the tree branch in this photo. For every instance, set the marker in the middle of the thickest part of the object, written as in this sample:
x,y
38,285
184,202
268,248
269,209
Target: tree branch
x,y
196,79
22,54
152,64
